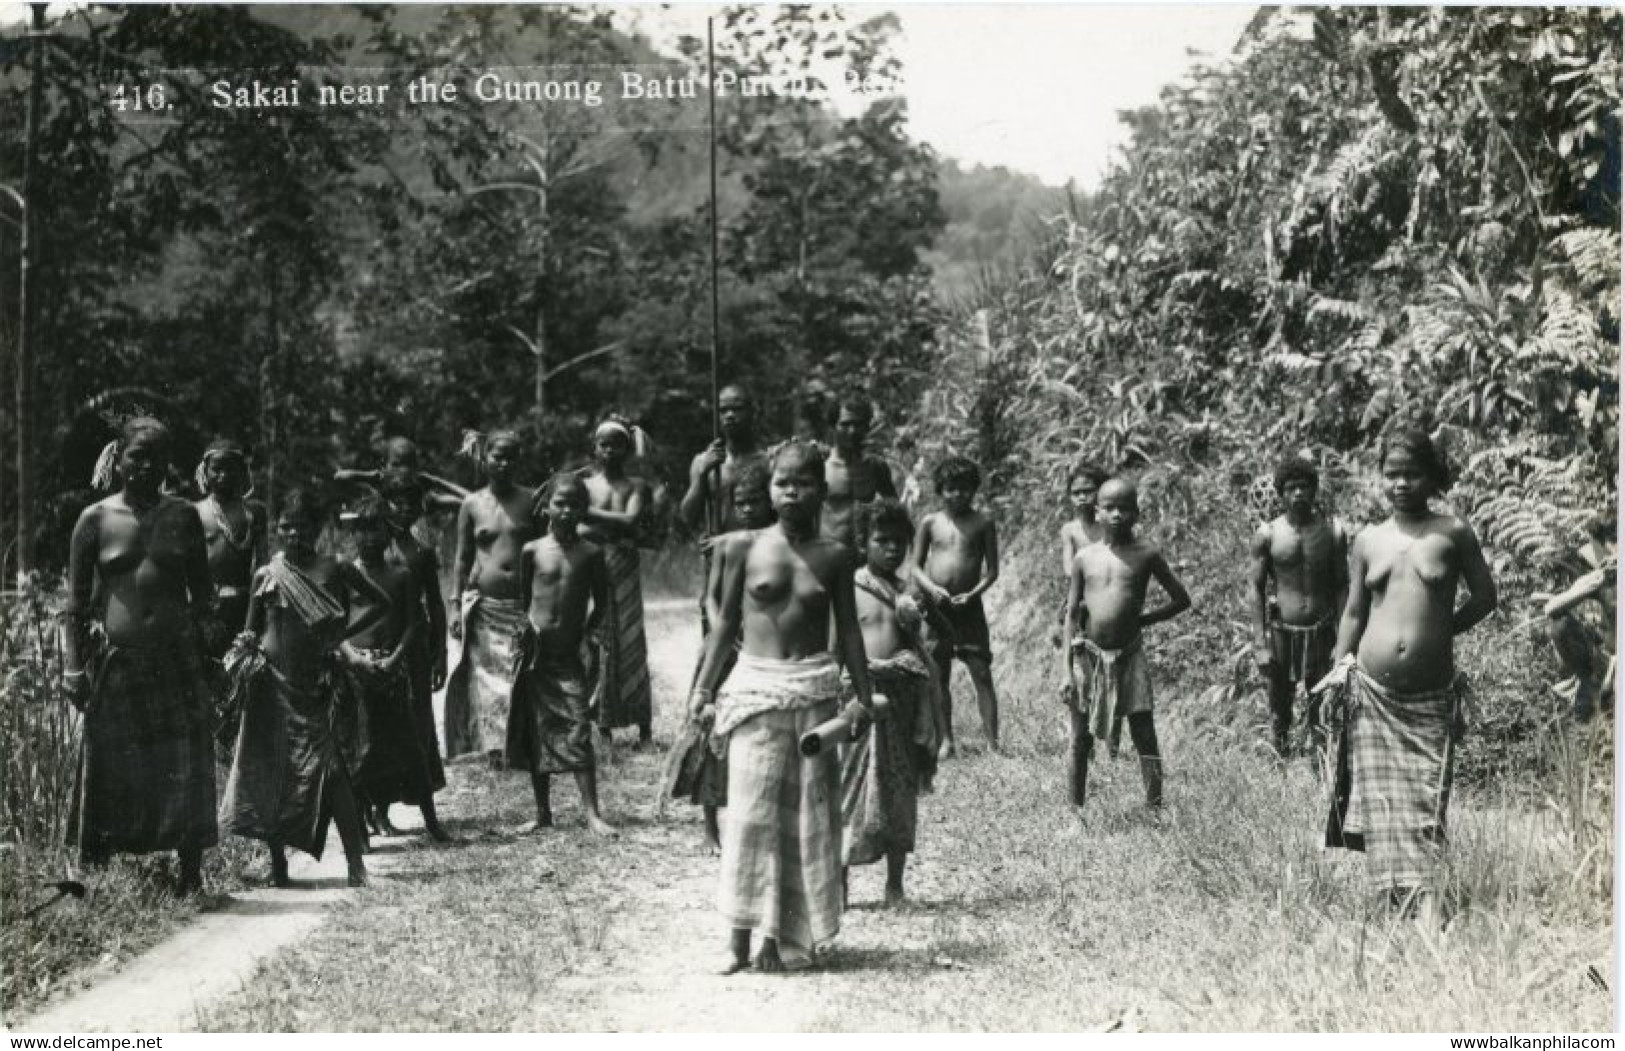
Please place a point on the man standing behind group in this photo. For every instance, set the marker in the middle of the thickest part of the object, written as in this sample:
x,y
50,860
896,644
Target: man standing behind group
x,y
852,476
712,474
1305,555
493,527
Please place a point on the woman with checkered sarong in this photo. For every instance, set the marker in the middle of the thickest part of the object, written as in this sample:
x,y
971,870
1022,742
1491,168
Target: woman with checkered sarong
x,y
1399,698
139,586
781,837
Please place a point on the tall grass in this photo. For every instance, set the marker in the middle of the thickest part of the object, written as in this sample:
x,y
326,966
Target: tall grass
x,y
129,905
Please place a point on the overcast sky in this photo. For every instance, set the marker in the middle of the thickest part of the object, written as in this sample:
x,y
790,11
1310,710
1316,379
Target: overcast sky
x,y
1035,87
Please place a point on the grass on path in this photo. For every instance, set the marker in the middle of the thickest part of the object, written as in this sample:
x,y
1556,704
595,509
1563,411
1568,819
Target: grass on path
x,y
1222,914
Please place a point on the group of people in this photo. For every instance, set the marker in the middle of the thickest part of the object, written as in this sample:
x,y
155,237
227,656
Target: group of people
x,y
820,704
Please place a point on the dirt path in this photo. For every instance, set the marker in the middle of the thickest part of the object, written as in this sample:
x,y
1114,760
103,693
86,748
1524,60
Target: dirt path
x,y
164,989
1018,918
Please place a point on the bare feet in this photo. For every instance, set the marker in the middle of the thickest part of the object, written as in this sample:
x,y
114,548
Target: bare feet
x,y
947,750
711,846
530,828
599,827
768,960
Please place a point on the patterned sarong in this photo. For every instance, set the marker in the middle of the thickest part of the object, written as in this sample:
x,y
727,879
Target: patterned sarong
x,y
1304,651
479,688
549,731
288,753
885,770
781,840
1395,761
146,762
624,693
1110,684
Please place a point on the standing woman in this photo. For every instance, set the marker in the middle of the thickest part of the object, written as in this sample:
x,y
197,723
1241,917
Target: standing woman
x,y
138,588
782,590
236,534
617,503
1395,665
493,527
288,775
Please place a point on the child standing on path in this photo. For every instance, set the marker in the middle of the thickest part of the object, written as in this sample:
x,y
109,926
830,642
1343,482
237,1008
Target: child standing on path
x,y
387,756
1111,676
886,771
550,722
958,549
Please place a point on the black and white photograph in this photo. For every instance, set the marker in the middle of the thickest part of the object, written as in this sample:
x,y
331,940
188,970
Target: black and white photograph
x,y
918,518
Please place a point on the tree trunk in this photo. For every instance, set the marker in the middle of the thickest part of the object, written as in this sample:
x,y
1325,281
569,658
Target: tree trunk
x,y
27,299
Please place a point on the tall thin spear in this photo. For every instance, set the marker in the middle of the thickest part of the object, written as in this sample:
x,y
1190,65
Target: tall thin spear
x,y
714,504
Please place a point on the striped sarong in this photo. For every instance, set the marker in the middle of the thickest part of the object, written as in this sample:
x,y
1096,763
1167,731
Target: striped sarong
x,y
146,770
624,697
479,688
781,837
885,770
1395,762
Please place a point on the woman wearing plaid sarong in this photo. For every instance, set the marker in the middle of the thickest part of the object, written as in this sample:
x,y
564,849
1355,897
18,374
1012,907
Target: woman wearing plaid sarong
x,y
781,838
138,577
1396,677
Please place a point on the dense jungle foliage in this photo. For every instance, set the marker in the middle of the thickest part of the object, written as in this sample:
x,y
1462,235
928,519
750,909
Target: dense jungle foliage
x,y
312,282
1366,215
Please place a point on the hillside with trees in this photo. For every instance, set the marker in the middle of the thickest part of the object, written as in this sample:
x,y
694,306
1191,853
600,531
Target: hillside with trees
x,y
1367,216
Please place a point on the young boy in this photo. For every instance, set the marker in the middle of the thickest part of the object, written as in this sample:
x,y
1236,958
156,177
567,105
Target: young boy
x,y
782,589
1305,557
1083,484
550,720
958,549
695,770
1106,599
388,763
883,775
1395,668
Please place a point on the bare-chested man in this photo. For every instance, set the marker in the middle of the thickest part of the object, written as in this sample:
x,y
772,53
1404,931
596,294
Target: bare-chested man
x,y
712,473
1305,557
853,476
1106,597
493,527
550,729
957,551
1395,663
617,503
781,845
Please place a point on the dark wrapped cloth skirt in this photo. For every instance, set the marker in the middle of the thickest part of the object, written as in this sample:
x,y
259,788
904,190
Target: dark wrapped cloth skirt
x,y
549,726
287,757
146,770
